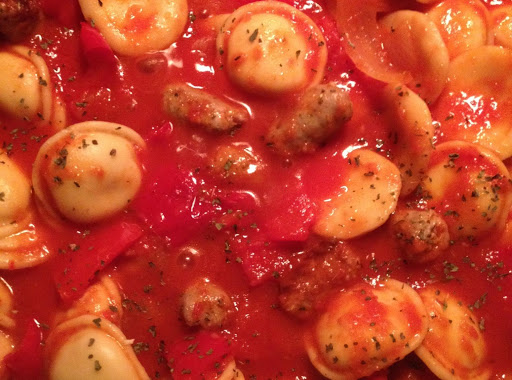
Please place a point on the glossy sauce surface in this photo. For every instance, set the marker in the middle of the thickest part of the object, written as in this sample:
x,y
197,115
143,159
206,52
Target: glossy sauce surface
x,y
197,232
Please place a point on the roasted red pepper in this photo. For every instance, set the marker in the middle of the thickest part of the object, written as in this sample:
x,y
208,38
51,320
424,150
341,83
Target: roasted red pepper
x,y
67,13
95,49
95,252
26,361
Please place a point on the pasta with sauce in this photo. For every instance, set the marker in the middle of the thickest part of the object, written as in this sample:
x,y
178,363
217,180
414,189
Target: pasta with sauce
x,y
245,189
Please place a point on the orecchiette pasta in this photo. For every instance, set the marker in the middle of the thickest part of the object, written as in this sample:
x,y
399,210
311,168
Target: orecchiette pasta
x,y
501,19
454,347
475,105
365,329
364,200
414,44
463,24
364,42
412,131
231,373
469,186
6,306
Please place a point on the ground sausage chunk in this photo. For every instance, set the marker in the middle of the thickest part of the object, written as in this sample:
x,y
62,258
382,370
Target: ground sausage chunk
x,y
422,234
17,19
320,112
332,266
205,304
194,106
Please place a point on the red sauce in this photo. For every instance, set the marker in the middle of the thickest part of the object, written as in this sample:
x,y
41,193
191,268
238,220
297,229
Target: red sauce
x,y
154,272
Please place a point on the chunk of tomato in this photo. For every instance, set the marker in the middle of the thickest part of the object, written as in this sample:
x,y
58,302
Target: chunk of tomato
x,y
292,220
174,205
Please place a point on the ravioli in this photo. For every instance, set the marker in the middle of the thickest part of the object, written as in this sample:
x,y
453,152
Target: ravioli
x,y
90,346
271,48
137,26
20,243
88,172
27,91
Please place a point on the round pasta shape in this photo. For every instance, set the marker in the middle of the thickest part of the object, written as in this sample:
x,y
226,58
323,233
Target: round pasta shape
x,y
469,186
454,347
26,88
6,306
15,195
269,47
6,347
89,347
463,24
365,329
88,172
365,199
20,83
137,26
414,43
501,19
231,373
413,132
477,104
20,246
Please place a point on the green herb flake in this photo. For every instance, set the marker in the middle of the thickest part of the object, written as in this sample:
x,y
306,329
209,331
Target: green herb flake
x,y
253,36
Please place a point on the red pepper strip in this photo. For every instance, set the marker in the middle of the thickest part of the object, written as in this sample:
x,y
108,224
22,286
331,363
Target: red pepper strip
x,y
202,356
95,49
67,13
96,251
26,362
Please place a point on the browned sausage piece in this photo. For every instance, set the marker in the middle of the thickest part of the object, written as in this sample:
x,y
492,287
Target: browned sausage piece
x,y
330,267
18,19
194,106
205,304
321,111
422,234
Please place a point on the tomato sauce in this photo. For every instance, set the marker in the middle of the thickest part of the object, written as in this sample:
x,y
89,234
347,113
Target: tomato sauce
x,y
194,235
